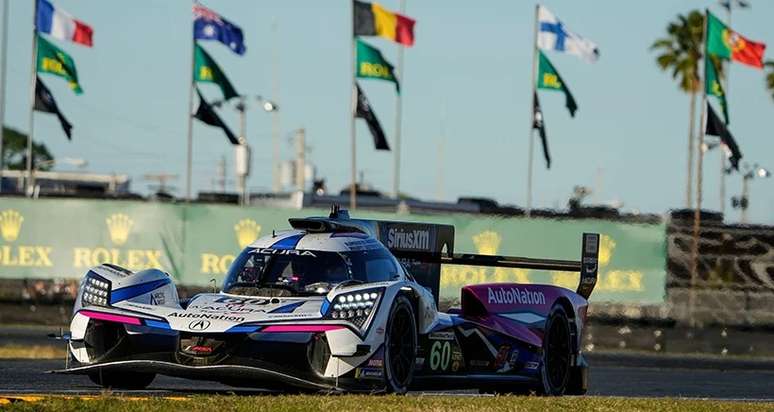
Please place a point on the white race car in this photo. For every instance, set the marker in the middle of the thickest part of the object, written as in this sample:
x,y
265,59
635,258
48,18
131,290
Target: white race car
x,y
326,306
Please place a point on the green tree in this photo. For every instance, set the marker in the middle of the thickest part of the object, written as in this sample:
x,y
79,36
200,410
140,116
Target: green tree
x,y
770,77
15,152
680,53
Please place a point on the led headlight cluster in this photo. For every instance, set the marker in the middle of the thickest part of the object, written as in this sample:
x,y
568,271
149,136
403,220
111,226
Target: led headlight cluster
x,y
354,305
96,291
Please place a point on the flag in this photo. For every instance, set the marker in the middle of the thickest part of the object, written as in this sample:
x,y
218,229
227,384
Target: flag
x,y
712,83
553,35
52,59
206,70
44,102
208,25
207,114
364,112
549,79
61,25
537,123
715,127
371,19
371,64
728,44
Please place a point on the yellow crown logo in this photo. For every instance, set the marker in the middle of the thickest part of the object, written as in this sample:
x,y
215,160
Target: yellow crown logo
x,y
487,242
247,230
119,225
10,224
606,247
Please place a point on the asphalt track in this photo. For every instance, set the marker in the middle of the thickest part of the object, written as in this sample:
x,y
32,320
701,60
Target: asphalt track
x,y
611,375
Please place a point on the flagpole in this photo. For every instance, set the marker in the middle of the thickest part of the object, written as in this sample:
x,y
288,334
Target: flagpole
x,y
352,109
33,74
3,68
699,178
398,115
530,154
189,157
721,151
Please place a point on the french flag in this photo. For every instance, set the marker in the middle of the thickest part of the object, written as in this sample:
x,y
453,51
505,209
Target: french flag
x,y
61,25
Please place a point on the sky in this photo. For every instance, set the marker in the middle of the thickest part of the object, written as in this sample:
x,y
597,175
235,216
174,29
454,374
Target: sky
x,y
466,89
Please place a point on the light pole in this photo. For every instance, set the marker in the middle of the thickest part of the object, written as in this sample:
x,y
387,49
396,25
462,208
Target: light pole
x,y
242,151
743,202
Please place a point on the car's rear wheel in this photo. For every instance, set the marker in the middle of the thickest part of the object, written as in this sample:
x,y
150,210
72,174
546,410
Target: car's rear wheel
x,y
400,346
122,380
557,353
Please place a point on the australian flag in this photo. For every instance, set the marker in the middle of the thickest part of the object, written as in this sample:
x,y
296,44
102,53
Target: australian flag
x,y
208,25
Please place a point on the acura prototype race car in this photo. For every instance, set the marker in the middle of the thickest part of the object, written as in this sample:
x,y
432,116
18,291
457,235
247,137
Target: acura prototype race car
x,y
338,304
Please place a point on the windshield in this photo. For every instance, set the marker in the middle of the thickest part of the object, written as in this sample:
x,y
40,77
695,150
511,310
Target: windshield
x,y
275,272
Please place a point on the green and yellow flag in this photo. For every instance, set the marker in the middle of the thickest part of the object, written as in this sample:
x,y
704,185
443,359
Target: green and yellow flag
x,y
712,83
371,64
52,59
207,71
549,79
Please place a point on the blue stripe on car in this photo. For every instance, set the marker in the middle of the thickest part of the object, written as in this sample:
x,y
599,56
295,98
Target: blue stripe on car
x,y
243,329
324,307
288,243
129,292
287,308
157,324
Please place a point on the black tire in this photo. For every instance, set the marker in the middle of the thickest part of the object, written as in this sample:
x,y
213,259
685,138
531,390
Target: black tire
x,y
557,354
400,346
122,380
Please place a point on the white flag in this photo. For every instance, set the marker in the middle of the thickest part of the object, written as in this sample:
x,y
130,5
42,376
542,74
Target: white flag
x,y
553,35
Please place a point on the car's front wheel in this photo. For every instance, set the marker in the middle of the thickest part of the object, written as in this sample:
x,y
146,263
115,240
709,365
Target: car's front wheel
x,y
123,380
400,343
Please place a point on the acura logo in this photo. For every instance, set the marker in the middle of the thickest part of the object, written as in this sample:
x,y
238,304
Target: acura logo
x,y
199,325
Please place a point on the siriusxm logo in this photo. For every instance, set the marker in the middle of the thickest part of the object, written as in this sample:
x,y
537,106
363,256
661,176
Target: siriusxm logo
x,y
515,295
408,239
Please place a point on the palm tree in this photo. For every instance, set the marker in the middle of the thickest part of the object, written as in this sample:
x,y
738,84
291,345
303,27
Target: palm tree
x,y
770,77
680,52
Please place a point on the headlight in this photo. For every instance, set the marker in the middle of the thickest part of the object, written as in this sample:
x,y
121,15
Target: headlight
x,y
355,307
95,291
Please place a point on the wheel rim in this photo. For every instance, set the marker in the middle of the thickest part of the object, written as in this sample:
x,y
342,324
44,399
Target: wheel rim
x,y
558,353
401,347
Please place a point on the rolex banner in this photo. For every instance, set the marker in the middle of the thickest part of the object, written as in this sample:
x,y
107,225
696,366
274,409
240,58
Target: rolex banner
x,y
207,71
52,59
372,65
63,238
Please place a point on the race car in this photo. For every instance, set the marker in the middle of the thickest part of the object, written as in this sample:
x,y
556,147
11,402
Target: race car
x,y
338,304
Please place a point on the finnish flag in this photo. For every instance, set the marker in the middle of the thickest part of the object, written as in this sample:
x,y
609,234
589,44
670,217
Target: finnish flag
x,y
553,35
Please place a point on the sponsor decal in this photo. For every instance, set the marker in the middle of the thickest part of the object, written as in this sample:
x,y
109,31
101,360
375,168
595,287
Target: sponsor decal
x,y
377,363
408,239
419,362
531,365
205,316
380,330
294,252
502,356
445,335
369,373
240,301
515,295
157,298
479,363
199,325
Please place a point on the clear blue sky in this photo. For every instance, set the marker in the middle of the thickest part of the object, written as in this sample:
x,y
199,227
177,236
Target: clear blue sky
x,y
471,62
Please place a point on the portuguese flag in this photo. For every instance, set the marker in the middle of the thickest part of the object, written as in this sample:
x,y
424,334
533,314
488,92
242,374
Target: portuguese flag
x,y
728,44
371,19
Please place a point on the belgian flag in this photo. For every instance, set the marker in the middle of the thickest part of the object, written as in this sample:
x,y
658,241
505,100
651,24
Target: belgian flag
x,y
371,19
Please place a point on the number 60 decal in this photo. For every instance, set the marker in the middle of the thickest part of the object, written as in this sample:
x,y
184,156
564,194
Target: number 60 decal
x,y
440,355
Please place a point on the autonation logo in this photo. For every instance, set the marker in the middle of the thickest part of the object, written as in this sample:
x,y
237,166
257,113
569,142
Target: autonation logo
x,y
408,239
515,295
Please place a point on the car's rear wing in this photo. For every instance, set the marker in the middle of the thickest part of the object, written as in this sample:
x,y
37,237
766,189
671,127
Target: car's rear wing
x,y
424,247
587,266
